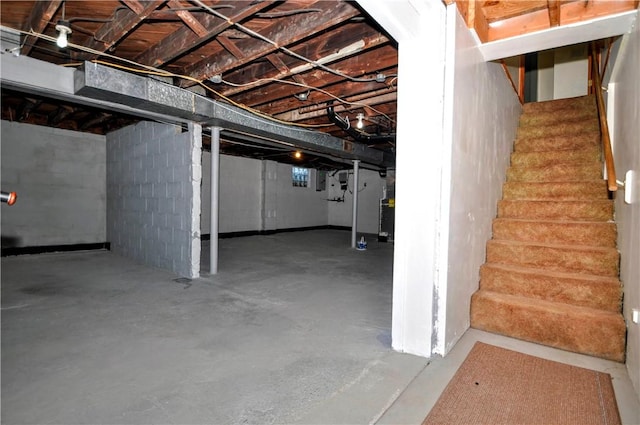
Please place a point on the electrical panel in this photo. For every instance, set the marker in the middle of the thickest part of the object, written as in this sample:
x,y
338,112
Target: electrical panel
x,y
343,178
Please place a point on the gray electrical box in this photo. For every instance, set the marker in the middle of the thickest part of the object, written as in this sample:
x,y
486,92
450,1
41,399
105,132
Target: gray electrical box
x,y
321,180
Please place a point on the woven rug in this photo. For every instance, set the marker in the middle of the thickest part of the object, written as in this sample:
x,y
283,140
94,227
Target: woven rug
x,y
499,386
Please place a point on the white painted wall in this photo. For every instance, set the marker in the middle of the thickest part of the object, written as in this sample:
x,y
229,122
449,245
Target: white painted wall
x,y
370,191
299,206
59,176
625,91
545,75
240,188
571,71
244,195
485,115
419,27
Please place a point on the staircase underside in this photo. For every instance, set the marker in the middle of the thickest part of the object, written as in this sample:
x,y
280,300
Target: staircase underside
x,y
552,269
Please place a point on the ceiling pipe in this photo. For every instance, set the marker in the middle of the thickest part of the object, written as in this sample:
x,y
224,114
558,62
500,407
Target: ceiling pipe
x,y
357,135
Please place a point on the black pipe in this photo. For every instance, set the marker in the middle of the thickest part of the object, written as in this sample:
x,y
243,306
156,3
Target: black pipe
x,y
8,197
357,135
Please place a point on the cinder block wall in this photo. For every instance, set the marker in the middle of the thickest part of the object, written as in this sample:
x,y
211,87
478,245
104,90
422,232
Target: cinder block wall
x,y
153,180
59,176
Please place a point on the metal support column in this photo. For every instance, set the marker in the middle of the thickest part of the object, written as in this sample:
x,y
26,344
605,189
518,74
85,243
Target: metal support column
x,y
215,190
354,223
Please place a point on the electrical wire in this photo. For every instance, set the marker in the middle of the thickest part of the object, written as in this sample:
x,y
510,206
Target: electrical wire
x,y
150,70
282,48
295,83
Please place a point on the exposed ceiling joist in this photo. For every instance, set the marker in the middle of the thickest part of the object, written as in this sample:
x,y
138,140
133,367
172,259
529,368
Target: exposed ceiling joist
x,y
40,16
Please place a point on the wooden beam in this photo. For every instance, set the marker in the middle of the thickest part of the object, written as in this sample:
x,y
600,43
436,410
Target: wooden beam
x,y
231,47
60,114
28,106
481,25
554,12
297,27
122,22
280,97
98,119
570,12
40,16
188,19
183,40
370,41
134,5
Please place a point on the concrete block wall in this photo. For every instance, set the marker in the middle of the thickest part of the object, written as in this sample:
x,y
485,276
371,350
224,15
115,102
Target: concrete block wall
x,y
153,177
59,176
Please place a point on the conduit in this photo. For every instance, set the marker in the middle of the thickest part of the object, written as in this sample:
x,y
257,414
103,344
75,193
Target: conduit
x,y
359,136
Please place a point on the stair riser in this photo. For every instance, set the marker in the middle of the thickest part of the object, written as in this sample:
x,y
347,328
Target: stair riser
x,y
561,233
561,105
557,173
541,144
554,118
600,262
583,333
551,158
553,210
568,129
603,293
555,191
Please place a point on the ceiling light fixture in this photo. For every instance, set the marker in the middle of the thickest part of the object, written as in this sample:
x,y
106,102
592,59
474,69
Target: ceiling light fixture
x,y
303,96
360,117
297,154
64,30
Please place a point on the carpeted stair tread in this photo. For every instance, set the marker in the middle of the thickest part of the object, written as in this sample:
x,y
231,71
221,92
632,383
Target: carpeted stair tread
x,y
559,142
556,173
600,292
581,102
552,267
589,125
548,118
583,259
579,329
591,233
562,191
553,157
592,210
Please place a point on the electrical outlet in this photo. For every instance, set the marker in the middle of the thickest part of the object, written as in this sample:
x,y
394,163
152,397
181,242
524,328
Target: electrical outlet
x,y
635,315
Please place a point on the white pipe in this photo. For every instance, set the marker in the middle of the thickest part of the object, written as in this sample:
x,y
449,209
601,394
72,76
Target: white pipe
x,y
215,190
354,224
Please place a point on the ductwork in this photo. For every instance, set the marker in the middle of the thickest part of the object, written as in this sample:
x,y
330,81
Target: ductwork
x,y
108,88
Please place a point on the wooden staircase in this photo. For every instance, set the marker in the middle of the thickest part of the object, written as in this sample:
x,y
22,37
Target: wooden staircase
x,y
551,274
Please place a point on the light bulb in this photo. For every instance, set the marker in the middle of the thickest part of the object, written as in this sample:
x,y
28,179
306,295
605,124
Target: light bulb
x,y
360,117
62,40
64,30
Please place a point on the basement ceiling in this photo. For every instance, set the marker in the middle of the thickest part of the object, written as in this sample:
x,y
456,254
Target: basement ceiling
x,y
289,60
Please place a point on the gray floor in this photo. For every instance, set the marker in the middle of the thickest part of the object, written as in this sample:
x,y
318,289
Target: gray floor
x,y
295,328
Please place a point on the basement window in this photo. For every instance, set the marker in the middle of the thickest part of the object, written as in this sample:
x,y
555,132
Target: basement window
x,y
300,176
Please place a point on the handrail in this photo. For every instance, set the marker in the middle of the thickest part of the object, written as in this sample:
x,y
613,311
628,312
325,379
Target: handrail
x,y
604,127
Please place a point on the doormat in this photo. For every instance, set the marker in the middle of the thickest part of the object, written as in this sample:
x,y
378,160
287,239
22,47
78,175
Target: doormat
x,y
498,386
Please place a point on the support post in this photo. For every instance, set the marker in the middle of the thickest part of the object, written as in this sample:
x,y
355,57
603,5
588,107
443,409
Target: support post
x,y
215,190
354,223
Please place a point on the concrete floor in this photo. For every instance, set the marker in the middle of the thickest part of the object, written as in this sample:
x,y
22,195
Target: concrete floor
x,y
295,328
